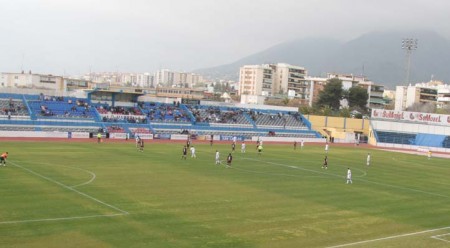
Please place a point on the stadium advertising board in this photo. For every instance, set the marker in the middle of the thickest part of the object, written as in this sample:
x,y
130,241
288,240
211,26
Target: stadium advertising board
x,y
145,136
179,137
162,136
190,101
425,118
230,138
78,135
117,135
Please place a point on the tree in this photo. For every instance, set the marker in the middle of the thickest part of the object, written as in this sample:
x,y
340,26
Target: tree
x,y
344,112
422,107
326,111
305,109
331,94
357,98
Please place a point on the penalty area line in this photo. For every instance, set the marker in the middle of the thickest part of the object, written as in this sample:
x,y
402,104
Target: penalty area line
x,y
390,237
70,188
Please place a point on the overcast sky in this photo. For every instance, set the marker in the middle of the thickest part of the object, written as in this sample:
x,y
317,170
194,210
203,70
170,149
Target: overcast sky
x,y
75,36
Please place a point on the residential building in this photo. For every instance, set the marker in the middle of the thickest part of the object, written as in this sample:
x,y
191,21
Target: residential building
x,y
30,80
291,79
317,84
375,93
167,78
443,97
256,80
406,96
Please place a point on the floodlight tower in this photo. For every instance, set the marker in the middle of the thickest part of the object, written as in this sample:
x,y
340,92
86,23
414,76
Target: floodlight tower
x,y
409,45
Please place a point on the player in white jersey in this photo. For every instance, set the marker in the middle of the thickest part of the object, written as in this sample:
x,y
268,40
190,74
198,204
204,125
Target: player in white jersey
x,y
349,176
193,152
368,159
217,157
326,148
302,144
243,147
138,141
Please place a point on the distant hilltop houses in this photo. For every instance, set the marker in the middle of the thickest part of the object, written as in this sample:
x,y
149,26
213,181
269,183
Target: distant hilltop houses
x,y
257,84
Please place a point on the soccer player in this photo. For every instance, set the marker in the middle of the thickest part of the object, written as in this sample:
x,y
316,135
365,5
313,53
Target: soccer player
x,y
184,152
233,147
138,139
188,143
429,154
211,140
193,152
3,158
302,144
99,138
141,145
234,139
260,148
217,157
368,159
326,148
295,145
349,176
325,163
243,147
229,159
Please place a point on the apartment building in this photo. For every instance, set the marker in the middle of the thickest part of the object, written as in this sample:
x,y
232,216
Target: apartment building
x,y
169,78
256,80
291,79
406,96
375,93
31,80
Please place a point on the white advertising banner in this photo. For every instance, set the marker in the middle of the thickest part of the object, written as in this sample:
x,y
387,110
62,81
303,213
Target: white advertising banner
x,y
79,135
145,136
117,135
33,134
179,137
417,117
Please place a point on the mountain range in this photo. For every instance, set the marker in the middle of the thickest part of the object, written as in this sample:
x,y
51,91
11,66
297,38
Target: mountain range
x,y
376,55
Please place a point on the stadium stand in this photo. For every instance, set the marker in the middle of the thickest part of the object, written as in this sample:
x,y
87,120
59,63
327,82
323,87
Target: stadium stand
x,y
396,138
62,108
165,113
70,114
446,142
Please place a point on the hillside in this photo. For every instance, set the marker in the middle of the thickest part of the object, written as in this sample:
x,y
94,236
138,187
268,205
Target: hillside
x,y
378,55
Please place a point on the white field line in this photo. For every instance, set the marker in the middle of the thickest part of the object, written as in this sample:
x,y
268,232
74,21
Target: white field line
x,y
59,219
76,168
70,188
304,169
438,237
390,237
88,182
359,179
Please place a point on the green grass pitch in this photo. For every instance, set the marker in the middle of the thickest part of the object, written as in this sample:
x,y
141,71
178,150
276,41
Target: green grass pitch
x,y
63,194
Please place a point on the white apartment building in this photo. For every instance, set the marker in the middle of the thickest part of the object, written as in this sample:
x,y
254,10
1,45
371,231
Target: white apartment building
x,y
375,93
30,80
271,79
256,80
144,80
406,96
348,80
443,96
169,78
291,79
